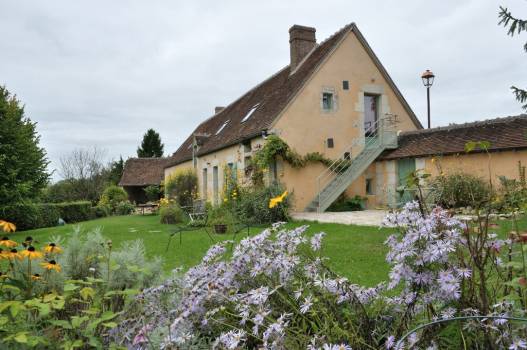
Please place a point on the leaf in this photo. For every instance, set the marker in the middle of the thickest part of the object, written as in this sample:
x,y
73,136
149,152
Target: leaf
x,y
470,146
61,323
21,337
68,287
76,321
110,324
57,304
484,145
49,297
87,293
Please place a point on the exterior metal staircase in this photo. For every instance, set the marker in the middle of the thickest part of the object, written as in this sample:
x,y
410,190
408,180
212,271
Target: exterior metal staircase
x,y
341,173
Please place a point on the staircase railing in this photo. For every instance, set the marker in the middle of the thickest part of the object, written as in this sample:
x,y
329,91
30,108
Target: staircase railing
x,y
380,134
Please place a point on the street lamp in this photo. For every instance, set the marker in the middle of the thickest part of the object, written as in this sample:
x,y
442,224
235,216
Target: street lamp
x,y
428,80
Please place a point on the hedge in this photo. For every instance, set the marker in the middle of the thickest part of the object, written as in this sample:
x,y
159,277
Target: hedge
x,y
27,216
75,211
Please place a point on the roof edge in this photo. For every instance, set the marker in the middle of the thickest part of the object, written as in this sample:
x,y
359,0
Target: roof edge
x,y
386,75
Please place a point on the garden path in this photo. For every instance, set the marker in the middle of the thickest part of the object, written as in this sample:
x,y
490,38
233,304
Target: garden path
x,y
363,218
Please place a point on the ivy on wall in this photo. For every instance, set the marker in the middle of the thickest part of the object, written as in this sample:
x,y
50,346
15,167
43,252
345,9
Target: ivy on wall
x,y
275,146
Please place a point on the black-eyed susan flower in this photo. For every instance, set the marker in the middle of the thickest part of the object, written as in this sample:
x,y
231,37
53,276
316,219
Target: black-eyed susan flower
x,y
12,254
31,253
6,242
36,277
7,226
51,265
273,202
52,248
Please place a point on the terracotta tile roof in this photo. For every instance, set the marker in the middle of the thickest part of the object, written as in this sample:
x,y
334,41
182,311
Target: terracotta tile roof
x,y
502,133
143,171
271,96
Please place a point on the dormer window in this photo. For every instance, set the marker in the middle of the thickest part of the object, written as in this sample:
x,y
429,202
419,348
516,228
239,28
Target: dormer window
x,y
222,126
248,115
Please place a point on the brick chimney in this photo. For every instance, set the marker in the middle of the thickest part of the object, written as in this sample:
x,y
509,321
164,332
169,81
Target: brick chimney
x,y
301,42
218,109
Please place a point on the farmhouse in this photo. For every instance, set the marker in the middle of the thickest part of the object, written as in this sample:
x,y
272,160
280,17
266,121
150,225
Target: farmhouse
x,y
336,100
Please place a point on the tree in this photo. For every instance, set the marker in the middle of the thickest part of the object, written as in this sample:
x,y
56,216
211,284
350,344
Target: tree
x,y
23,162
151,145
515,26
86,171
116,171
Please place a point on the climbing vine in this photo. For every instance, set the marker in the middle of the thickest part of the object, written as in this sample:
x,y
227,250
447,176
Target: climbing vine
x,y
275,146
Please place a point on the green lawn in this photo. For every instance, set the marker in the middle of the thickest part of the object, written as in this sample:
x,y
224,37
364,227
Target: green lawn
x,y
356,252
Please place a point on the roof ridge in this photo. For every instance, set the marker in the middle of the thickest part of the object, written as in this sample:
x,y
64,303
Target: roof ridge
x,y
455,126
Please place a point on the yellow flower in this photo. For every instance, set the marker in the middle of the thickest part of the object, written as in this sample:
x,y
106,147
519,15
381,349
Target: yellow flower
x,y
52,248
12,254
31,253
51,265
279,199
6,242
36,277
7,226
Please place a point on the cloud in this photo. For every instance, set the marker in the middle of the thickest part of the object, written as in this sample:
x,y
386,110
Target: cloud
x,y
101,73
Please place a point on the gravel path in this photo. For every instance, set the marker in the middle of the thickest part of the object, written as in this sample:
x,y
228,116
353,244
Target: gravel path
x,y
363,218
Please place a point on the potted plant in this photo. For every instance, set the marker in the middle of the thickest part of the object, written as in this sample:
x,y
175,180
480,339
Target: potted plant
x,y
219,219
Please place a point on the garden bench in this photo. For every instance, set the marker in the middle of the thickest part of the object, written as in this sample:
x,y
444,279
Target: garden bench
x,y
196,211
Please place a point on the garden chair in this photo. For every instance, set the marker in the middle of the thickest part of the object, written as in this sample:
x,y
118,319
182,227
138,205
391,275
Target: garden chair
x,y
196,211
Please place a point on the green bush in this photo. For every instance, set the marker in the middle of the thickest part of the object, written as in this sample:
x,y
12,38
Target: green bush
x,y
101,211
182,186
48,215
25,216
75,211
252,205
153,192
124,208
112,196
220,215
344,203
461,190
172,214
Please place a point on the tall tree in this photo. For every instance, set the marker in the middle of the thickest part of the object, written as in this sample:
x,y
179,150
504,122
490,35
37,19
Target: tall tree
x,y
515,26
151,145
23,162
116,171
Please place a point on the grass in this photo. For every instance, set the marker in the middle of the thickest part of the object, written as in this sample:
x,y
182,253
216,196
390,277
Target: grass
x,y
356,252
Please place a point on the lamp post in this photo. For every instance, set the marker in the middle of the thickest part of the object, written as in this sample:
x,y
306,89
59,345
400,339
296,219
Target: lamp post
x,y
428,80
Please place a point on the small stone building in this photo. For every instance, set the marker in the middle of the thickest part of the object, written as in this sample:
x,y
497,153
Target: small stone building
x,y
138,173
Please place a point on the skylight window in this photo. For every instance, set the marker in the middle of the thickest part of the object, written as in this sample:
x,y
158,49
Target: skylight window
x,y
248,115
222,126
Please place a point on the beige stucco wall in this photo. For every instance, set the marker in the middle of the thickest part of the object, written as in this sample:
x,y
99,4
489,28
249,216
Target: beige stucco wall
x,y
306,127
235,154
479,164
500,163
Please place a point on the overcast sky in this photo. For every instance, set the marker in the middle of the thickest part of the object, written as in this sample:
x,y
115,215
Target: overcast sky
x,y
103,72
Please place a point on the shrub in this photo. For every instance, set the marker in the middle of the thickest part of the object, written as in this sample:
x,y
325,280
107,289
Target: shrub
x,y
25,216
101,211
252,205
152,192
344,203
49,215
171,214
461,190
124,208
220,215
75,211
182,186
112,196
62,191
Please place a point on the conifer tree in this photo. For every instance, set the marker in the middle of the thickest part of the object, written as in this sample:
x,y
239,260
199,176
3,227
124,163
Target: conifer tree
x,y
515,26
23,163
151,145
